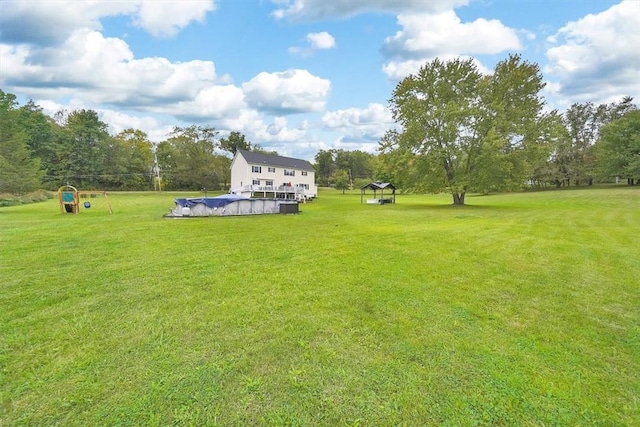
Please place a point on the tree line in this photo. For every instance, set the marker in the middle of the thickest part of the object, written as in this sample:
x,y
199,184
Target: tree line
x,y
459,131
42,152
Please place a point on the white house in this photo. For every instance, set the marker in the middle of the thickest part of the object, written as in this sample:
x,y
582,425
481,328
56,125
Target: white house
x,y
265,175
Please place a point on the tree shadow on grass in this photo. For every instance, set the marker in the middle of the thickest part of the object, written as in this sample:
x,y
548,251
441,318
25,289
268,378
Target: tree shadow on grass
x,y
457,208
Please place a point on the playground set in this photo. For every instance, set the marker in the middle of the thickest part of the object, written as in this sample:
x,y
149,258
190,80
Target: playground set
x,y
69,198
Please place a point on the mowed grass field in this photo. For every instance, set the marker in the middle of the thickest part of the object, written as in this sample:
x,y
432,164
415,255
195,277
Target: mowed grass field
x,y
518,309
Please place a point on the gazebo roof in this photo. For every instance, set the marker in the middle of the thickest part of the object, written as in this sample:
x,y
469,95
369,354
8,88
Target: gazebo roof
x,y
377,185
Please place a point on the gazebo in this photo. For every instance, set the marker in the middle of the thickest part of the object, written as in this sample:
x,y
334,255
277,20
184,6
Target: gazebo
x,y
378,186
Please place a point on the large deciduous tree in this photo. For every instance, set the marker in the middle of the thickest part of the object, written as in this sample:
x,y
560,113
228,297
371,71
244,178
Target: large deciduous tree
x,y
618,150
82,149
464,131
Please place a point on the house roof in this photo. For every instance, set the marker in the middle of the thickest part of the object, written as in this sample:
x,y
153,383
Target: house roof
x,y
271,160
379,185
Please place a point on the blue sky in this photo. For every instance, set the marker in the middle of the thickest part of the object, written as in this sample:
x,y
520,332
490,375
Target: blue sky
x,y
297,76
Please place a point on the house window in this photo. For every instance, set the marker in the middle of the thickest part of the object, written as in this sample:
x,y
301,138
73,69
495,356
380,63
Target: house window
x,y
269,183
256,182
272,170
288,172
305,186
256,169
304,173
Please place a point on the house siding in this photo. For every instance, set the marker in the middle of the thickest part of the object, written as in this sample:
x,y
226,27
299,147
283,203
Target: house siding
x,y
242,174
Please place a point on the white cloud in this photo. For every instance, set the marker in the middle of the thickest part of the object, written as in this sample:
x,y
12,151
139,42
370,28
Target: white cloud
x,y
16,64
596,58
46,22
426,36
359,125
324,9
397,70
211,103
291,91
278,130
104,70
166,18
118,121
316,41
374,115
321,40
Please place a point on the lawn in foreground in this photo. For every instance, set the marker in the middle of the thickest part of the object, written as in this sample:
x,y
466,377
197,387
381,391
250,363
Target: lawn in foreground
x,y
518,309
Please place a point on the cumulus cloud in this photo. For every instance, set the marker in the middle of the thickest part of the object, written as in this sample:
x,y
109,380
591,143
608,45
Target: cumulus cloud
x,y
279,130
321,40
104,69
291,91
118,121
166,18
323,9
375,114
426,36
596,58
315,41
215,103
46,23
358,124
433,34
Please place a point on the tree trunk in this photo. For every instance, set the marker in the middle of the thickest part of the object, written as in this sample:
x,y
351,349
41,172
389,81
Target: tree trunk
x,y
458,198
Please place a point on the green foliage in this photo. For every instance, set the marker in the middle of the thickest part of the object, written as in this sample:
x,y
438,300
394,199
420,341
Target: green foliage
x,y
188,159
129,161
20,172
325,167
358,183
516,310
259,149
234,142
356,164
8,199
76,148
573,159
41,136
619,148
462,131
83,149
340,180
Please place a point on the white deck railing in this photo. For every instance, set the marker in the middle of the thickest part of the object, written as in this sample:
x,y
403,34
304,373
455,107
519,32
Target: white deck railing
x,y
273,189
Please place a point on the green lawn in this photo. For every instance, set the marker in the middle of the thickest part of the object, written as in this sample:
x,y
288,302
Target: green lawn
x,y
519,309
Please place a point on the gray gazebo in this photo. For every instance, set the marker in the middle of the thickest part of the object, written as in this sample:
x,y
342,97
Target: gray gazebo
x,y
379,187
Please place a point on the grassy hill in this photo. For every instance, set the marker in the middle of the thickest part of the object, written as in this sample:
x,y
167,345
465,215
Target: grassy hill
x,y
518,309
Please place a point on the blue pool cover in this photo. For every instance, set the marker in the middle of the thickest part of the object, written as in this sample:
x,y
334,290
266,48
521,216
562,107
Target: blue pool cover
x,y
211,202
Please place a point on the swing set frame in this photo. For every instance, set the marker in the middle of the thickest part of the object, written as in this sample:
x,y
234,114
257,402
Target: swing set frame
x,y
69,199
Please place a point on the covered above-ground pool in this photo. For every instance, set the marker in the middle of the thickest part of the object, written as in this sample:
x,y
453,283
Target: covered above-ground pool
x,y
230,204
